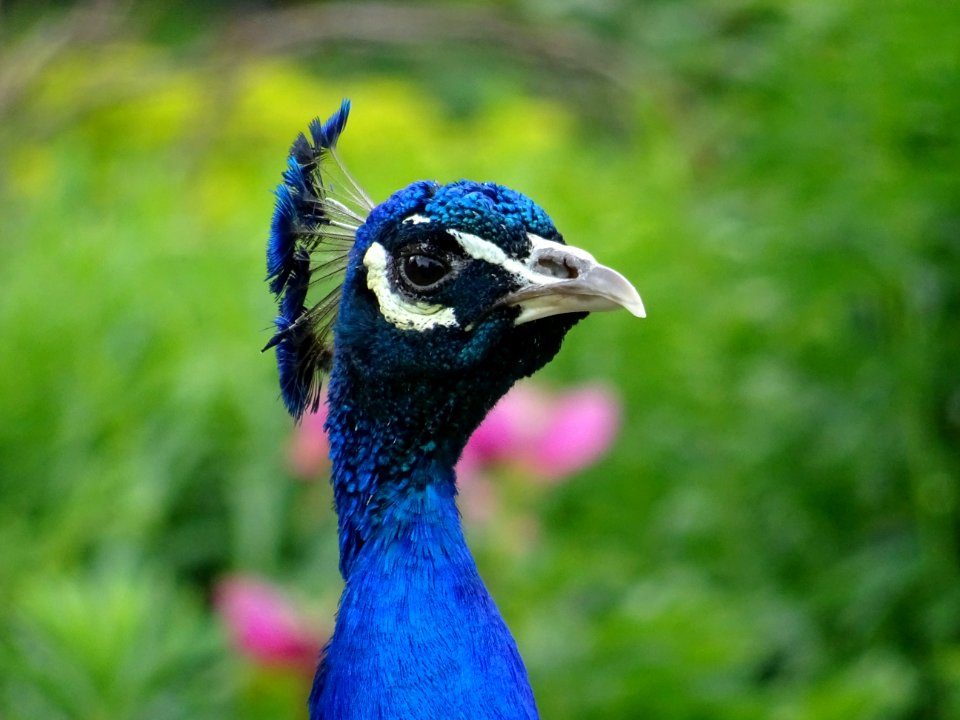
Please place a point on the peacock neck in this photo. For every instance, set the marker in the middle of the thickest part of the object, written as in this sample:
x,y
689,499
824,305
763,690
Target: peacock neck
x,y
390,441
417,636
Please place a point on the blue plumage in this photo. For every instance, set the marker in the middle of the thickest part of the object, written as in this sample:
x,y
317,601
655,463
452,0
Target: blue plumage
x,y
310,235
326,134
298,205
436,302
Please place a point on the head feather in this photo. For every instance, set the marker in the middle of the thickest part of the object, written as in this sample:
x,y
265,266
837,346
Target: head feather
x,y
318,210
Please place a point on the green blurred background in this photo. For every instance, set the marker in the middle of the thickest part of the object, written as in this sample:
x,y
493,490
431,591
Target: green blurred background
x,y
776,533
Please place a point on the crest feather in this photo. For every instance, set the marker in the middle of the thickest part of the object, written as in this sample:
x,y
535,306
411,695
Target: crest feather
x,y
318,210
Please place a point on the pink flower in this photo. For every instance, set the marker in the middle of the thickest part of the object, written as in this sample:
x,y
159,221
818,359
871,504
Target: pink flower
x,y
264,626
478,499
580,428
309,451
549,436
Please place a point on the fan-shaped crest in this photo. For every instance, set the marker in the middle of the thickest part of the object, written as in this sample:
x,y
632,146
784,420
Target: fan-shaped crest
x,y
318,211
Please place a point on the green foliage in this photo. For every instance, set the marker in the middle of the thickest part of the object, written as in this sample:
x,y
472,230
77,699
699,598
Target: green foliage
x,y
776,532
116,646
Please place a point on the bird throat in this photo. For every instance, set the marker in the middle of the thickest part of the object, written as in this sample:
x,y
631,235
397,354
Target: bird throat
x,y
417,635
393,446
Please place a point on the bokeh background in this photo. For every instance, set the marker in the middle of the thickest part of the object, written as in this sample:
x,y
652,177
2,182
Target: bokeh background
x,y
773,534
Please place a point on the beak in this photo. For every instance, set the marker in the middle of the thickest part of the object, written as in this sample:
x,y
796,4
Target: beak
x,y
561,279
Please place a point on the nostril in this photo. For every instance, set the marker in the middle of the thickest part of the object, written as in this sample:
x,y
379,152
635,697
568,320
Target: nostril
x,y
556,267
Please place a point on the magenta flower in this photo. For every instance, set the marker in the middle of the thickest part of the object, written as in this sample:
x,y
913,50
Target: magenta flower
x,y
579,429
309,452
265,627
549,436
546,436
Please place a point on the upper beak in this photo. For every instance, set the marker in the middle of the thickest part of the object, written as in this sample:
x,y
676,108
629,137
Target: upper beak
x,y
564,279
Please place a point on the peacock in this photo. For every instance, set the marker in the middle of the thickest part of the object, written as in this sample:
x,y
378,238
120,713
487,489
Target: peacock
x,y
422,312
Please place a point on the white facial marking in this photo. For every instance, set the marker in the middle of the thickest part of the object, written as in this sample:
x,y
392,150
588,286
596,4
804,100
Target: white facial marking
x,y
480,249
398,310
552,263
416,219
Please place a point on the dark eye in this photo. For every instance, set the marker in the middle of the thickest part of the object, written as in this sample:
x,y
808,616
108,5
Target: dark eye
x,y
423,271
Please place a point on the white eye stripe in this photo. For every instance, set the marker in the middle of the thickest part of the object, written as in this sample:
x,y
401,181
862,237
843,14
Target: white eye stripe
x,y
481,249
396,309
416,220
478,248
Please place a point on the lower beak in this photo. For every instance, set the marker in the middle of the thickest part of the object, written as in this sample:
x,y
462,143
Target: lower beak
x,y
562,279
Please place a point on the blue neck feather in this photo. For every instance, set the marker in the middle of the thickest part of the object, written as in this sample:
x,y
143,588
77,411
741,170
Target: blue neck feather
x,y
417,635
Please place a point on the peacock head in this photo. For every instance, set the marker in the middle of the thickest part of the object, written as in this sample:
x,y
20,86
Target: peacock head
x,y
467,280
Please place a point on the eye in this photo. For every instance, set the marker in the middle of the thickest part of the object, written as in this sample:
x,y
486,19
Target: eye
x,y
422,271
